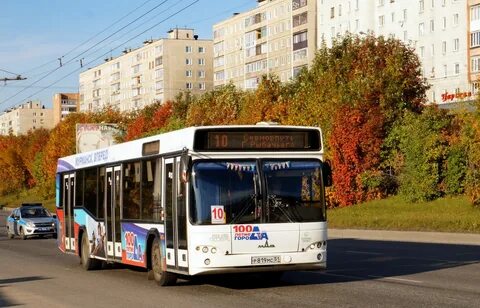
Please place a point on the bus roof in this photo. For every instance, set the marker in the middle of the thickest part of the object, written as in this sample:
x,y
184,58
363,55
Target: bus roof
x,y
174,141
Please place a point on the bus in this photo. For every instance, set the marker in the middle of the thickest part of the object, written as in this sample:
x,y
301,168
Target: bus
x,y
199,200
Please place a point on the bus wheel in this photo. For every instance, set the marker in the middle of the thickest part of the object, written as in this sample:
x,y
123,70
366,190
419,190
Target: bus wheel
x,y
22,234
87,262
162,277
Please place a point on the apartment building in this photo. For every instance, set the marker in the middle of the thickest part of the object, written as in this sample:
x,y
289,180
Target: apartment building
x,y
157,71
474,43
436,29
277,37
29,116
64,104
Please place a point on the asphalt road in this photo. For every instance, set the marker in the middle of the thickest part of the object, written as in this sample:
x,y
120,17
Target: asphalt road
x,y
361,273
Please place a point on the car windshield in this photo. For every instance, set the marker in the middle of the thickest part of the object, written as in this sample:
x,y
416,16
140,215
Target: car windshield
x,y
292,191
34,212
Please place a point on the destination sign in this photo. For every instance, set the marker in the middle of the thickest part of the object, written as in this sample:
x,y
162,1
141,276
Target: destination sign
x,y
231,140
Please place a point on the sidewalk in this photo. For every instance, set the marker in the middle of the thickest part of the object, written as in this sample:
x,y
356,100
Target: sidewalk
x,y
407,236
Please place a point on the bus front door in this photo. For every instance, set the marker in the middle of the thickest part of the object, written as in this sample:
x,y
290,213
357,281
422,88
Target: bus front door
x,y
112,213
175,216
68,235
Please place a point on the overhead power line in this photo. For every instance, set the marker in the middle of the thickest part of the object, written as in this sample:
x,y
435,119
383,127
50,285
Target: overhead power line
x,y
71,60
129,40
91,38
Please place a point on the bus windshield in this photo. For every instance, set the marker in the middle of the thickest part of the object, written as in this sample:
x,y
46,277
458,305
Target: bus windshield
x,y
261,191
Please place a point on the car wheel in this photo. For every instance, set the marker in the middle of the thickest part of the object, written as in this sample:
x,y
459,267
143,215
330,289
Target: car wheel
x,y
22,234
10,235
87,262
160,275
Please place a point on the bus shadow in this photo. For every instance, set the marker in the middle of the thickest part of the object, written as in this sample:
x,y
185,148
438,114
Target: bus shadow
x,y
356,260
4,300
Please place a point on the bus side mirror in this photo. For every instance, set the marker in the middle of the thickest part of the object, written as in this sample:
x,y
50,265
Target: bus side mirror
x,y
185,167
327,173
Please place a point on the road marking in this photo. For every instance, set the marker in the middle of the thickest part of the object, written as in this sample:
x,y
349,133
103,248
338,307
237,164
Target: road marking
x,y
396,279
364,252
372,276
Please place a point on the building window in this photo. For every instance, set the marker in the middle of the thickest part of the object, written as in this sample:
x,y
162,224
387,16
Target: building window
x,y
421,28
300,40
188,73
188,61
444,23
219,76
188,49
159,86
456,44
475,39
475,62
201,61
201,86
201,49
421,5
475,13
332,12
445,70
299,19
455,19
457,68
201,74
381,20
296,4
444,47
432,25
188,85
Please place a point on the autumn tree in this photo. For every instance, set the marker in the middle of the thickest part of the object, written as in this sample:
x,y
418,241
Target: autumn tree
x,y
216,107
269,102
358,74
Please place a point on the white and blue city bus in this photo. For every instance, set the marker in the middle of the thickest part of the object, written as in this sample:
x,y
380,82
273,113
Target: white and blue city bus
x,y
200,200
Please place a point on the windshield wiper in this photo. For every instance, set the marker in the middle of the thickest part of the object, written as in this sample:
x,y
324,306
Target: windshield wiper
x,y
244,210
274,202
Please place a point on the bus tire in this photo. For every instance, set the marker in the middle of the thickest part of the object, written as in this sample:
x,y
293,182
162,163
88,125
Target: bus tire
x,y
160,275
22,234
88,263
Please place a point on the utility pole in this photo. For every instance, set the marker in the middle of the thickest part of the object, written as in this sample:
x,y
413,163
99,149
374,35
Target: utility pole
x,y
19,77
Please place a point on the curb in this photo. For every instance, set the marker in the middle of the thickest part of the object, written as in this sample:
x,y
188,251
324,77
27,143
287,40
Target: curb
x,y
407,236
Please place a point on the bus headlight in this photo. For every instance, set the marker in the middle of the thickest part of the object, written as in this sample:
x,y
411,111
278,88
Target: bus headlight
x,y
205,249
213,250
207,261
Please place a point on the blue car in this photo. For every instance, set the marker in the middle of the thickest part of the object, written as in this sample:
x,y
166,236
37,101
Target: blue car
x,y
31,219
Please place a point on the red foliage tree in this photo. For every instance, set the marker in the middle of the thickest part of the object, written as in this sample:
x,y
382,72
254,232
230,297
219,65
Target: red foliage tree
x,y
356,141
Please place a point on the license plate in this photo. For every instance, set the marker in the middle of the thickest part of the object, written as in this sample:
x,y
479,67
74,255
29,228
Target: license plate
x,y
266,260
44,229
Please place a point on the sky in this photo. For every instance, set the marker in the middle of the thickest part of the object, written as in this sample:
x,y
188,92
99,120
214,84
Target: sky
x,y
34,34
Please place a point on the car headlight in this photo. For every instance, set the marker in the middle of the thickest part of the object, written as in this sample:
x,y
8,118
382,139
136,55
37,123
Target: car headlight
x,y
53,225
30,224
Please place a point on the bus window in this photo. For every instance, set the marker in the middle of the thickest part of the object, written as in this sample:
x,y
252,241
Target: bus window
x,y
90,200
294,191
101,194
150,188
79,186
131,191
228,184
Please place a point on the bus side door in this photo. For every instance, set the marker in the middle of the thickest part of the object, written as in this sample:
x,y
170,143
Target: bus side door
x,y
175,216
68,200
112,213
